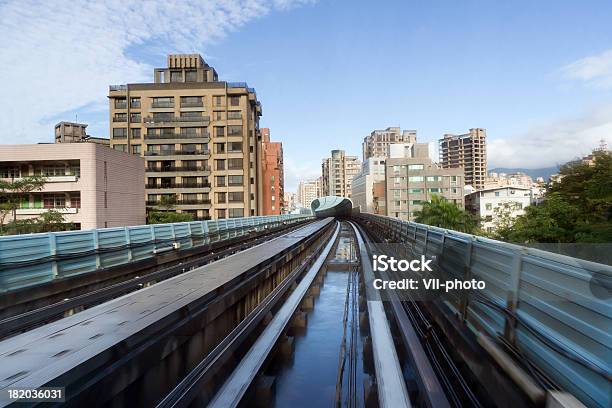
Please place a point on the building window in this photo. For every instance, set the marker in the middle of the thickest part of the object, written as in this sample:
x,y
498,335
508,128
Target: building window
x,y
236,212
235,180
219,131
234,197
221,198
416,178
119,133
135,118
221,213
234,130
497,194
218,100
434,190
234,115
220,164
191,114
136,149
163,102
120,147
75,200
234,164
234,146
191,75
220,181
135,103
234,100
415,190
416,167
120,117
188,132
219,147
135,133
488,206
191,101
219,115
176,76
434,178
54,201
120,103
163,116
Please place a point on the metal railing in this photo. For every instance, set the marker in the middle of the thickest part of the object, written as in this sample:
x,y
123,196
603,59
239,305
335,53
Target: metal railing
x,y
150,119
177,152
112,88
176,136
162,105
179,185
34,259
178,168
192,104
543,303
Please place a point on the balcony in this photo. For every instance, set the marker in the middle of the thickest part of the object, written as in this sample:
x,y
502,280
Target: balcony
x,y
178,202
38,211
177,168
178,153
162,105
204,120
119,119
199,104
178,185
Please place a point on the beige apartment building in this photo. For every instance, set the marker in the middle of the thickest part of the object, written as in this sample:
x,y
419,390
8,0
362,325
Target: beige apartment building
x,y
199,136
337,174
412,180
469,151
308,191
92,185
376,144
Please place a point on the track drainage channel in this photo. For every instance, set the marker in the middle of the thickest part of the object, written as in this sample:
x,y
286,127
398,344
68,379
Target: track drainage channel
x,y
320,361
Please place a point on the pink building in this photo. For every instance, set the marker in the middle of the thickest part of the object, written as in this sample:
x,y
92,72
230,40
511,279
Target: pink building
x,y
92,185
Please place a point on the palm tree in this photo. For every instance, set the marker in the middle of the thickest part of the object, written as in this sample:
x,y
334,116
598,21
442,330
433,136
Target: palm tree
x,y
442,213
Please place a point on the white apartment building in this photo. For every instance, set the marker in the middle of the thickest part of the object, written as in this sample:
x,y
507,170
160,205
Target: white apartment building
x,y
362,195
484,202
92,185
308,191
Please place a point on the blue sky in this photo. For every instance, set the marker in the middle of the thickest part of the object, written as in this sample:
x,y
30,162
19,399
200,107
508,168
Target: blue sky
x,y
536,74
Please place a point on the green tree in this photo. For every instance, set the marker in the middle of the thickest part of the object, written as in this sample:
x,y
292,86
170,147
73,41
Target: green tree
x,y
13,193
168,214
164,217
504,220
442,213
577,208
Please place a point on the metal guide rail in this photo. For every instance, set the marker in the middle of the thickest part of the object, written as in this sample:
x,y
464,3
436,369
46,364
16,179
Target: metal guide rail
x,y
539,306
81,352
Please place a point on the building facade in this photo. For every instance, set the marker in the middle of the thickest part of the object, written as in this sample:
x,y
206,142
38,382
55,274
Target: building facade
x,y
72,132
468,151
273,181
92,185
485,202
308,191
411,181
337,174
362,194
199,136
376,144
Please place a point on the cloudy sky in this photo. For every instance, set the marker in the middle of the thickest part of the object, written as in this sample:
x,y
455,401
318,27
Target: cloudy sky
x,y
536,74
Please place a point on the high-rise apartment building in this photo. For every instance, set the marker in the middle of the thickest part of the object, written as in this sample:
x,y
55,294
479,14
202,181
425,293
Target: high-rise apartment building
x,y
337,174
273,182
412,179
308,191
376,144
200,138
469,151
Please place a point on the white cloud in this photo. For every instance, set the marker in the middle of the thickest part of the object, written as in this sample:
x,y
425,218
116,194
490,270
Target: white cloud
x,y
551,144
61,55
298,170
596,70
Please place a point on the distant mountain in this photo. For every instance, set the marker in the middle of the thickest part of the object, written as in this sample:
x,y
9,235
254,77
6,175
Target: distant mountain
x,y
545,172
